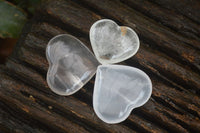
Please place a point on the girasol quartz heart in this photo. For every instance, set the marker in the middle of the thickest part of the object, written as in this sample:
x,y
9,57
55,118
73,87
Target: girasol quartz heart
x,y
112,43
71,64
118,90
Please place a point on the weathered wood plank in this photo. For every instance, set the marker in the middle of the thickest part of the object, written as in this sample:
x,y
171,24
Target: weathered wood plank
x,y
156,114
176,22
72,108
164,96
11,121
47,64
174,105
190,9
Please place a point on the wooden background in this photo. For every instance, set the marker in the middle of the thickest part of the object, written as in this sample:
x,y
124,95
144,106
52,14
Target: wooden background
x,y
169,32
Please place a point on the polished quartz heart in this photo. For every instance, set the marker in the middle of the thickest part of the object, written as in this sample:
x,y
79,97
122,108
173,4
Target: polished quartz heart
x,y
71,64
118,90
112,43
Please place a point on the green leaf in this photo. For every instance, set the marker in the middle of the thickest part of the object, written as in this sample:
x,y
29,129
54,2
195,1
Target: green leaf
x,y
27,5
12,20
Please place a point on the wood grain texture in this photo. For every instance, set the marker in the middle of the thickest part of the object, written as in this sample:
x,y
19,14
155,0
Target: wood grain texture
x,y
169,54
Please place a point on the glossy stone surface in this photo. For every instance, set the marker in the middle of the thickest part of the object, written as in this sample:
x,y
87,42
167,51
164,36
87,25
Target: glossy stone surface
x,y
71,64
112,43
118,90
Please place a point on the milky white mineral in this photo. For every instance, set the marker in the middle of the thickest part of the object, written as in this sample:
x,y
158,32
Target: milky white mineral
x,y
112,43
118,90
71,64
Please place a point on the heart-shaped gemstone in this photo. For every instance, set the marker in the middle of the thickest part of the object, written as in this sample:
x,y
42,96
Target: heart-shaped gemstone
x,y
118,90
112,43
71,64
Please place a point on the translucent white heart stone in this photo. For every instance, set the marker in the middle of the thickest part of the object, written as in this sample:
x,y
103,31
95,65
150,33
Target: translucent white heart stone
x,y
71,64
118,90
112,43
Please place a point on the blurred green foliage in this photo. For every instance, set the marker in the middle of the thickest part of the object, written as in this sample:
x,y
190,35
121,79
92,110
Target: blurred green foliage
x,y
13,15
28,5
